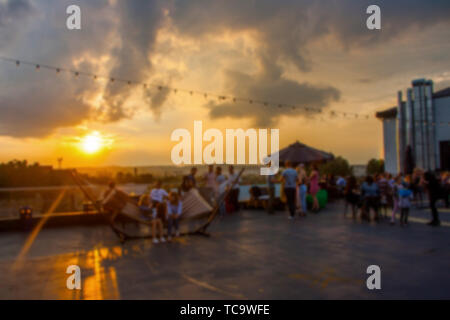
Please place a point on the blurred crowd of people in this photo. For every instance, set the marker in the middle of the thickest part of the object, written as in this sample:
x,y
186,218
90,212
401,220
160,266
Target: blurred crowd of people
x,y
373,198
385,194
217,187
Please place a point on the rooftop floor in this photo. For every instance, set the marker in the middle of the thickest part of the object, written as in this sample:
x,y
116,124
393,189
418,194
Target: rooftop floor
x,y
250,255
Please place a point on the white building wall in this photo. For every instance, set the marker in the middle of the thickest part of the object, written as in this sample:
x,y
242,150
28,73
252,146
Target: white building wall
x,y
442,119
390,145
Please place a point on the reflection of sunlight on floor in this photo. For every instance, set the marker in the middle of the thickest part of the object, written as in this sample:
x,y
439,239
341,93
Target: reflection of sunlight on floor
x,y
103,283
324,278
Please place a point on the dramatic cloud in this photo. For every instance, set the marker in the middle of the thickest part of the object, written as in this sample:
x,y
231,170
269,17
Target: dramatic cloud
x,y
119,38
269,86
283,31
118,42
13,15
139,22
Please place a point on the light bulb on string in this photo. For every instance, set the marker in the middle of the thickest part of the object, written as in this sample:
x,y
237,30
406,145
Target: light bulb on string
x,y
191,92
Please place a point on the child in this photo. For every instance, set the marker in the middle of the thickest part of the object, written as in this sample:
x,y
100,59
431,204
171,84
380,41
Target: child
x,y
144,205
405,196
157,196
174,210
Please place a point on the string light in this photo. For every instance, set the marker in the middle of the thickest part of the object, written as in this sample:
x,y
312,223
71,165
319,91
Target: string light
x,y
175,90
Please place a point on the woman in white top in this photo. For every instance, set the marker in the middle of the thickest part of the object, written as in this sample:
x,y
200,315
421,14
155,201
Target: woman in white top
x,y
157,196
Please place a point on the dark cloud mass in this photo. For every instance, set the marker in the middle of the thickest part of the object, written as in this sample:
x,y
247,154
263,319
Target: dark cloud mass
x,y
270,87
13,14
284,29
139,22
127,32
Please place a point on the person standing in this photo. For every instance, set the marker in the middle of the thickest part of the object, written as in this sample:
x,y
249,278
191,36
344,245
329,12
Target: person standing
x,y
210,184
383,186
314,187
371,196
434,190
191,177
233,183
341,184
290,186
302,188
405,196
221,183
271,179
395,186
351,196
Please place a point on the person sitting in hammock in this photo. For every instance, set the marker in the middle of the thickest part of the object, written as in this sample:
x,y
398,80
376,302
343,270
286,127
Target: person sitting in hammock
x,y
109,193
158,195
156,223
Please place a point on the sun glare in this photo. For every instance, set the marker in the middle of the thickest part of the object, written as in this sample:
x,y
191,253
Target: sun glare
x,y
92,143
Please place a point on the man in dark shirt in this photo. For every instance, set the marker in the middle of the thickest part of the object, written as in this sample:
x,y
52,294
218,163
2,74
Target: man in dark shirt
x,y
191,177
434,191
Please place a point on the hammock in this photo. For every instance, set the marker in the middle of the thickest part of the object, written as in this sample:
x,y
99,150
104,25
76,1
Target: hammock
x,y
129,222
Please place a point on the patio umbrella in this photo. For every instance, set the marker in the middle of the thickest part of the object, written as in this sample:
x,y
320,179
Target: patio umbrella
x,y
301,153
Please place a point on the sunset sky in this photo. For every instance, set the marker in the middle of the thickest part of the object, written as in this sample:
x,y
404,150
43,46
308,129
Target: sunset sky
x,y
311,53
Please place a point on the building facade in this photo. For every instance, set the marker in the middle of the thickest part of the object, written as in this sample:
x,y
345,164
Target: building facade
x,y
416,132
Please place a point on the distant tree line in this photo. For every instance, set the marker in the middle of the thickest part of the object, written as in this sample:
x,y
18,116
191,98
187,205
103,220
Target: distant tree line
x,y
18,173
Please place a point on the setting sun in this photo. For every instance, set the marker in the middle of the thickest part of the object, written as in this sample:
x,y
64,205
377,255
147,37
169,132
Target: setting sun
x,y
92,143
